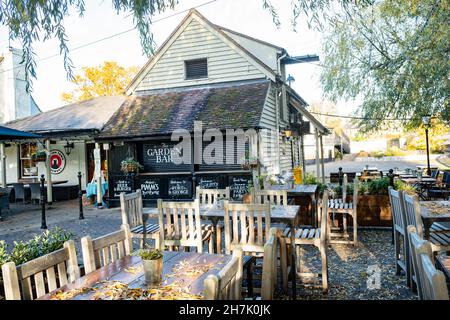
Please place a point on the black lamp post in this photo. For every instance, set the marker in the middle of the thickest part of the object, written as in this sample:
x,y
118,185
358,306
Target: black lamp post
x,y
80,197
426,120
43,202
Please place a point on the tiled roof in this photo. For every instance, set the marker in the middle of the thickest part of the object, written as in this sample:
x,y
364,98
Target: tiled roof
x,y
87,115
228,106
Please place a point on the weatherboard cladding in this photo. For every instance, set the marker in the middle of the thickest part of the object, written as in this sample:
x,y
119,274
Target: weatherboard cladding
x,y
231,106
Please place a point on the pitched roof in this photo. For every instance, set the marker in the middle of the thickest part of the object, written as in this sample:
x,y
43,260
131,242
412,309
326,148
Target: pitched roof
x,y
81,116
216,29
226,106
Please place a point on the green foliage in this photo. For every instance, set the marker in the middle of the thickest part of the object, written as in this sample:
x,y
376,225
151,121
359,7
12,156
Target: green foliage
x,y
394,56
150,254
378,186
406,187
24,251
395,152
312,179
377,154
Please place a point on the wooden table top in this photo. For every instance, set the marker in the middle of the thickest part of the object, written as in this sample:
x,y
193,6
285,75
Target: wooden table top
x,y
182,271
435,210
286,213
419,180
298,189
444,261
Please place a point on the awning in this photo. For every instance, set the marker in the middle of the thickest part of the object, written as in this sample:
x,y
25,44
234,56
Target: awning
x,y
12,134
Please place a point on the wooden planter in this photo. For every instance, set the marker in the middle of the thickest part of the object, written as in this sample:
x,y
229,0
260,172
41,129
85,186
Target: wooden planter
x,y
374,211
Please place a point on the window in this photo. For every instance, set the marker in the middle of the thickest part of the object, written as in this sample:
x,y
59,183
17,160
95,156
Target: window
x,y
196,69
28,166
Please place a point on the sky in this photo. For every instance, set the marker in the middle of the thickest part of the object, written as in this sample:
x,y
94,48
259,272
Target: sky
x,y
100,20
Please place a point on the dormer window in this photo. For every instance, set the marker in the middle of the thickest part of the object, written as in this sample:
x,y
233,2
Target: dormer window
x,y
196,69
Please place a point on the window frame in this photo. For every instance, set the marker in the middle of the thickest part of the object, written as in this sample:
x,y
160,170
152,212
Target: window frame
x,y
195,78
22,159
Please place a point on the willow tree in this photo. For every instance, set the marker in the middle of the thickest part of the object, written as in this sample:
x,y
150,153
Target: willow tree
x,y
393,56
36,20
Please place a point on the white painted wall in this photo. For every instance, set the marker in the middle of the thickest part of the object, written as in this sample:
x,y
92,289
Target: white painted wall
x,y
196,42
75,162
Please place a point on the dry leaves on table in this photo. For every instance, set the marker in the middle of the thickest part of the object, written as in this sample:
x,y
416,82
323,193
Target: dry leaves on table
x,y
188,269
70,294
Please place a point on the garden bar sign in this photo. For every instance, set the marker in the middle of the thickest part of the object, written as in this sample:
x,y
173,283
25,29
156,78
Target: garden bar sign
x,y
159,157
57,161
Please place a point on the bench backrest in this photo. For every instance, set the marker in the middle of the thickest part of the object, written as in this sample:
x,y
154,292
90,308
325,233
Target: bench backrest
x,y
180,224
227,284
42,275
270,265
131,208
104,250
211,196
411,208
273,197
398,217
434,283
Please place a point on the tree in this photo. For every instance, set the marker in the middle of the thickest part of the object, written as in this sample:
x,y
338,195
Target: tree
x,y
30,21
108,79
416,140
394,56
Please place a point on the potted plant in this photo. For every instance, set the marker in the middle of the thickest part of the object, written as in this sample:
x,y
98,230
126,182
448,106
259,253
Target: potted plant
x,y
248,197
152,261
129,165
39,156
253,162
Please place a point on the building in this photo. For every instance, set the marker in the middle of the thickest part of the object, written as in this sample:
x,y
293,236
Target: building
x,y
222,80
68,138
15,101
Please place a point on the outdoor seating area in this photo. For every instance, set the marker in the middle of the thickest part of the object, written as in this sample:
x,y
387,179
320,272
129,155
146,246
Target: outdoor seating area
x,y
257,247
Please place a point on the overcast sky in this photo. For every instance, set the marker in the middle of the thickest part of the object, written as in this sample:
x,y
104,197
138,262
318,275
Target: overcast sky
x,y
100,21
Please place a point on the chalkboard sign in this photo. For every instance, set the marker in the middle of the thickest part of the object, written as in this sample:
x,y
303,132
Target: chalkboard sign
x,y
150,187
120,185
209,182
239,186
159,157
180,188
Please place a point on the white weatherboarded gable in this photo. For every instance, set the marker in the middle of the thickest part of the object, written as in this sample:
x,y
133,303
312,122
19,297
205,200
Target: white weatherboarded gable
x,y
197,38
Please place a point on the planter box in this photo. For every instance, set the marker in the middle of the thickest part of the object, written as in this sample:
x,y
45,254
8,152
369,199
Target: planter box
x,y
373,211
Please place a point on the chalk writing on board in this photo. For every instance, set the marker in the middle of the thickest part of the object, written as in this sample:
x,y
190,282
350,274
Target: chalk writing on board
x,y
179,187
150,188
120,186
239,187
208,183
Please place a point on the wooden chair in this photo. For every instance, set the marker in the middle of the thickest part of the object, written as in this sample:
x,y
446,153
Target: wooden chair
x,y
313,236
132,214
344,207
401,239
439,240
210,196
227,284
270,266
180,225
42,275
434,283
246,226
106,249
417,247
274,197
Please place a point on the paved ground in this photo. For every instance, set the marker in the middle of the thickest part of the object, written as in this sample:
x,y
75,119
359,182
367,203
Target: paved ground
x,y
383,165
348,266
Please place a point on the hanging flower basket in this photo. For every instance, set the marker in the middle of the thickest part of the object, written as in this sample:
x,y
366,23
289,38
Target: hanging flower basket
x,y
130,165
40,156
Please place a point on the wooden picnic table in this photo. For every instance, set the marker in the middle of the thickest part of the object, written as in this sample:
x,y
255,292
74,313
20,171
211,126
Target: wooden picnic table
x,y
434,211
443,264
180,269
288,214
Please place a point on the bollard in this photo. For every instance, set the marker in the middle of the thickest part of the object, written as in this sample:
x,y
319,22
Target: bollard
x,y
391,177
80,196
43,202
340,176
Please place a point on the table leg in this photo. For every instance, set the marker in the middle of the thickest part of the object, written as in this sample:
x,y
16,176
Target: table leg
x,y
314,208
293,264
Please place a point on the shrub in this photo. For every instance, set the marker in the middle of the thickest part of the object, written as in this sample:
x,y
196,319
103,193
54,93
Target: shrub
x,y
377,154
312,179
378,186
402,186
395,152
48,241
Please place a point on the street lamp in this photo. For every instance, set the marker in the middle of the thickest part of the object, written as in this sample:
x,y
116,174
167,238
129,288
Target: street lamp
x,y
426,120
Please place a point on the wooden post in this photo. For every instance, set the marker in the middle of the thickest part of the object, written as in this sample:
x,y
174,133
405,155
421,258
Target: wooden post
x,y
322,161
49,174
316,136
3,164
98,174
